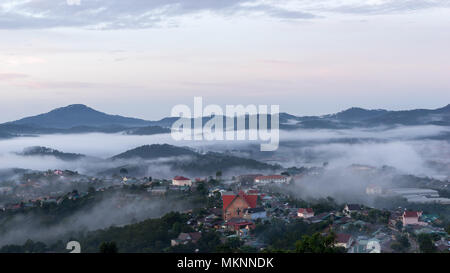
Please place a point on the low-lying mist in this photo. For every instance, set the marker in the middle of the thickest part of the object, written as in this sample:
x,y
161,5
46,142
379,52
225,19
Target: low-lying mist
x,y
409,149
113,210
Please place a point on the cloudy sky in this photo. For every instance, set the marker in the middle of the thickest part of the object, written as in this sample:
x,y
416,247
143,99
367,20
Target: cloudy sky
x,y
140,58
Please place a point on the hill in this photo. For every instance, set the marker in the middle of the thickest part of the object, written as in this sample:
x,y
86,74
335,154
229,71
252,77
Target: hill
x,y
44,151
155,151
78,115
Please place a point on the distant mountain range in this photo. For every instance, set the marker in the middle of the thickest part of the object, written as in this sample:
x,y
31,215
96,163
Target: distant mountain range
x,y
80,118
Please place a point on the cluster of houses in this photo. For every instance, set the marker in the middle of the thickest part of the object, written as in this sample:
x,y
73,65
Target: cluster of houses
x,y
254,202
250,199
243,209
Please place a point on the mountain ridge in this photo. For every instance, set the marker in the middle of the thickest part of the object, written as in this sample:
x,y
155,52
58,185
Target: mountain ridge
x,y
79,118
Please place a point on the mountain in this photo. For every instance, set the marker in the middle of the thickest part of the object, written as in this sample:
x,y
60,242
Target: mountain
x,y
78,118
155,151
357,114
78,115
440,116
359,117
44,151
196,164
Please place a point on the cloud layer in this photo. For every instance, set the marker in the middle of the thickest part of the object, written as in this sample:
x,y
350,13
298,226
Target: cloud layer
x,y
118,14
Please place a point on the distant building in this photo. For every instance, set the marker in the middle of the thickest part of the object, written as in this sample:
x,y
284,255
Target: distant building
x,y
181,181
418,195
235,204
305,213
343,240
255,213
373,190
411,218
247,178
363,244
185,238
237,224
266,179
349,208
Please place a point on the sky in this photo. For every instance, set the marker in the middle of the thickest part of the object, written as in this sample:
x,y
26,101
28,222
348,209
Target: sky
x,y
141,58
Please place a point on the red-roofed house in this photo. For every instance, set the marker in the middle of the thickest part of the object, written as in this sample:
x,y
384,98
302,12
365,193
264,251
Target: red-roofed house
x,y
411,217
236,224
305,213
266,179
181,181
343,240
235,204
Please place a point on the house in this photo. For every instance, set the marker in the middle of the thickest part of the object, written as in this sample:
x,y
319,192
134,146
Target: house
x,y
350,208
185,238
266,179
343,240
181,181
364,244
235,204
255,213
320,217
237,224
247,179
411,218
305,212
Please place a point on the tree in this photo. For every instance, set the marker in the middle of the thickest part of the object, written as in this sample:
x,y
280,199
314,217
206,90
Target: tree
x,y
202,189
404,242
317,243
209,242
401,245
399,225
91,190
426,244
108,247
218,175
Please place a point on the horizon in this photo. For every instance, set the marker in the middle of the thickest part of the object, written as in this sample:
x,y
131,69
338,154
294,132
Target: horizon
x,y
281,112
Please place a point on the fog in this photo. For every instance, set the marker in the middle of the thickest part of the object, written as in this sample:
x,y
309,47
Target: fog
x,y
111,211
408,149
405,148
106,145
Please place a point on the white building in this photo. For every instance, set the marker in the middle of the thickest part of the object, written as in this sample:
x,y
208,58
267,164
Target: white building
x,y
266,179
181,181
373,190
305,213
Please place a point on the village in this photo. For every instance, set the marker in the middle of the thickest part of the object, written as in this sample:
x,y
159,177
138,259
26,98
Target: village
x,y
240,208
